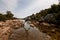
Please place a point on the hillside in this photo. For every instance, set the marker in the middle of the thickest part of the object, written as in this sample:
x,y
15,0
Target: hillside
x,y
47,21
50,15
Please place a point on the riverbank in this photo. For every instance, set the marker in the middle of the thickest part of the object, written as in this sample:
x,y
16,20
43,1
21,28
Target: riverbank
x,y
50,29
7,27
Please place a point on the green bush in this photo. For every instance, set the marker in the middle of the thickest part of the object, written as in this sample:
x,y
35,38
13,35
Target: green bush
x,y
6,16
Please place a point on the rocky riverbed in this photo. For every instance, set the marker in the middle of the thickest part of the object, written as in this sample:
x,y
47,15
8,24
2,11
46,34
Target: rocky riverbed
x,y
52,30
19,30
7,27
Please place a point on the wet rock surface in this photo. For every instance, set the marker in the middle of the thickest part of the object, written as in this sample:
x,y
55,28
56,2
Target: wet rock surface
x,y
31,34
14,30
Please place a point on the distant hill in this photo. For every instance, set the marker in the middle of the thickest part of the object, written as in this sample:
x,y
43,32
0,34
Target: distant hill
x,y
50,15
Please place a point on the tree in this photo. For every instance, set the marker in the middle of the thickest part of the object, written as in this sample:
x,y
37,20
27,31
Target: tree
x,y
9,15
6,16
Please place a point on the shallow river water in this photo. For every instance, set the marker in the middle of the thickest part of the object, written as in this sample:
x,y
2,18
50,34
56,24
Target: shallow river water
x,y
28,33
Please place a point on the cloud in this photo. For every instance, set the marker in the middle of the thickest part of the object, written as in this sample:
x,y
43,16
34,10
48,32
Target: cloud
x,y
10,4
23,8
36,6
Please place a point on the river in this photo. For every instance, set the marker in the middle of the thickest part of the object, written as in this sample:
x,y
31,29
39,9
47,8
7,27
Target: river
x,y
28,33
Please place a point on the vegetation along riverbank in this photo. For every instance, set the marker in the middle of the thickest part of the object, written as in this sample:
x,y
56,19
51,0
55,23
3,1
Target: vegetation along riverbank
x,y
48,21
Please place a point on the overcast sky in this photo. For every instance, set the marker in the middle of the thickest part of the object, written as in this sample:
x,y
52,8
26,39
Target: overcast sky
x,y
23,8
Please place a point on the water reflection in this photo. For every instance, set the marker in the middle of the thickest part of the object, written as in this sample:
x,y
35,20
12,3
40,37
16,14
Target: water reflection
x,y
28,33
27,26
